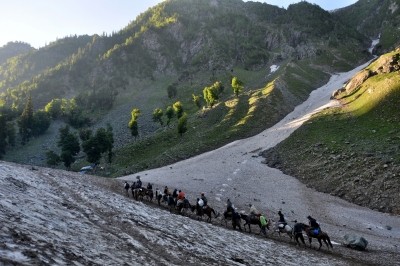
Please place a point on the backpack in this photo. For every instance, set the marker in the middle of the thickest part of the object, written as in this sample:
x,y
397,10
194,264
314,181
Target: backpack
x,y
201,203
126,185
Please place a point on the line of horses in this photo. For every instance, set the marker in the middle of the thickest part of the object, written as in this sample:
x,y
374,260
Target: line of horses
x,y
185,208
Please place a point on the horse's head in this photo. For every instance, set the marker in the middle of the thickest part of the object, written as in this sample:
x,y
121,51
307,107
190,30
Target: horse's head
x,y
304,226
243,216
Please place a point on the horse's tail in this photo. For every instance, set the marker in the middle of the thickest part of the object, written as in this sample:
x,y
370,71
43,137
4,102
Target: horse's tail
x,y
329,241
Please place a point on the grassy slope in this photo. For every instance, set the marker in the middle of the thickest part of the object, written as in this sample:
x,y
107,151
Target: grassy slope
x,y
261,105
351,151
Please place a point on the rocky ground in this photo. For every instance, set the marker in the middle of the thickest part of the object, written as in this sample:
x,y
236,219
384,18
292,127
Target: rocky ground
x,y
358,178
53,217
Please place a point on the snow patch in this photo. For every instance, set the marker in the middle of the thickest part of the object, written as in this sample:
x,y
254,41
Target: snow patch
x,y
374,43
273,68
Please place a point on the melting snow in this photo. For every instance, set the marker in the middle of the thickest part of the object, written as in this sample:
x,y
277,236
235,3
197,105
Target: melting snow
x,y
273,68
54,217
374,44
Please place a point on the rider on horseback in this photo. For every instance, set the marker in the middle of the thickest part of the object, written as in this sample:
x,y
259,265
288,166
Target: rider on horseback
x,y
181,197
281,218
175,193
199,206
204,199
126,186
139,183
229,207
253,211
263,223
315,228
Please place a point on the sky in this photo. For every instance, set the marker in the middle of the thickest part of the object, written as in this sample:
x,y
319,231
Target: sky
x,y
41,22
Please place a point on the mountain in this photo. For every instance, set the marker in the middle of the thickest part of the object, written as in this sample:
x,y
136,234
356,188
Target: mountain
x,y
351,151
13,49
375,18
187,45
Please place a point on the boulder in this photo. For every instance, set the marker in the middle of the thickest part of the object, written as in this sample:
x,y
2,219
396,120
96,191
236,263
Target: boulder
x,y
357,80
356,242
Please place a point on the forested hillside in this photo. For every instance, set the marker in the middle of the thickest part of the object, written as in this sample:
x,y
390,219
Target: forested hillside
x,y
375,18
174,65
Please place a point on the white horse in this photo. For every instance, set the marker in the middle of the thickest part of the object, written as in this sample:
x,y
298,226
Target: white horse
x,y
284,229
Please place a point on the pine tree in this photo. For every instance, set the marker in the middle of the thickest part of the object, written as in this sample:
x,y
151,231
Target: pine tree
x,y
98,144
133,125
69,144
169,112
157,116
237,86
197,100
182,124
178,109
26,122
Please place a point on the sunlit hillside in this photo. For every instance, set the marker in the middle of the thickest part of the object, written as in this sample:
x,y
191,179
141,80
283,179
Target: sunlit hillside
x,y
170,54
353,151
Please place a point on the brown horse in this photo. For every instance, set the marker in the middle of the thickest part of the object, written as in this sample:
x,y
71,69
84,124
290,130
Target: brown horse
x,y
140,193
253,219
321,236
206,210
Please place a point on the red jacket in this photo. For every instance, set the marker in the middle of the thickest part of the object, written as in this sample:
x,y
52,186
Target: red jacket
x,y
181,195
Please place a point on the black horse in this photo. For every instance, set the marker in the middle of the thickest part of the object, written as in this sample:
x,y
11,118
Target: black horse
x,y
183,206
234,217
253,219
206,210
298,233
169,200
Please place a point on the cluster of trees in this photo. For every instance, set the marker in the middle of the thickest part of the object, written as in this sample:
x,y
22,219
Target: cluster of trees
x,y
69,110
210,95
30,124
176,110
35,123
93,144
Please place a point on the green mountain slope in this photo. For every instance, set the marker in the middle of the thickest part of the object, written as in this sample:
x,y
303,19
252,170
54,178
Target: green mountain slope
x,y
375,18
13,49
189,44
352,151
